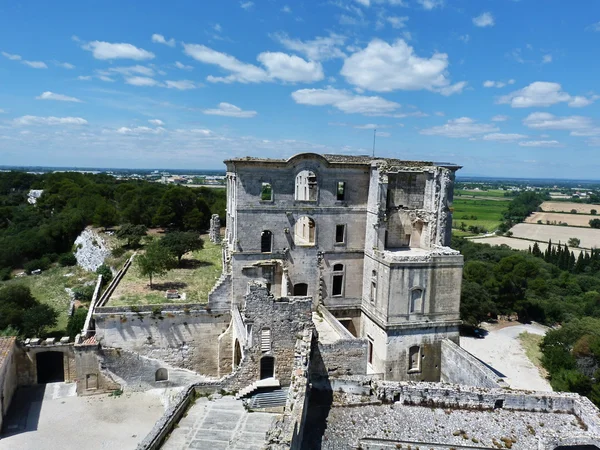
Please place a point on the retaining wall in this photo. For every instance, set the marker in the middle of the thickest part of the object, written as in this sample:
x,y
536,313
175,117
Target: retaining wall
x,y
458,366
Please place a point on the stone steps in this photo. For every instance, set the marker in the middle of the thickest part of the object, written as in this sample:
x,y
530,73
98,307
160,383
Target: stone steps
x,y
264,383
269,399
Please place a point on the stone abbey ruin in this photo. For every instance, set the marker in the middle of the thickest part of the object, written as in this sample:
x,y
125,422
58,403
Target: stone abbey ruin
x,y
337,309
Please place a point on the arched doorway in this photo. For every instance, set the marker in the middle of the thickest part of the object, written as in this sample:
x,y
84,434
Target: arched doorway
x,y
267,367
50,367
237,354
300,289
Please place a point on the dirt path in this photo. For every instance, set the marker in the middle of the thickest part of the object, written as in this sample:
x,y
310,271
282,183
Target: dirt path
x,y
502,350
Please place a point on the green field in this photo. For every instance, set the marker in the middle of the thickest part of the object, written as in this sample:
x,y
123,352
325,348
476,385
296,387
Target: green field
x,y
496,193
482,213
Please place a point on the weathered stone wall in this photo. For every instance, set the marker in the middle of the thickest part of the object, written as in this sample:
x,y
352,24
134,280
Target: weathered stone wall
x,y
26,358
185,338
8,377
91,375
460,367
342,358
214,233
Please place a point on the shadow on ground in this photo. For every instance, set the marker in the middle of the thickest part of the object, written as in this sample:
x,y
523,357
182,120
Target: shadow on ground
x,y
24,412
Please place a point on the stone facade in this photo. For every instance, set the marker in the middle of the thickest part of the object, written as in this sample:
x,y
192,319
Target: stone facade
x,y
366,238
8,374
214,233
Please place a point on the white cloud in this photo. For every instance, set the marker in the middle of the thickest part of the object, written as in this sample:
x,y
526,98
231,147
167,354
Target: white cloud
x,y
35,64
131,70
465,38
246,5
430,4
345,101
156,122
107,50
543,93
540,144
546,59
494,84
382,67
182,66
61,98
504,137
160,39
139,130
318,49
84,77
64,65
11,56
105,78
484,20
439,113
141,81
594,27
500,118
37,120
463,127
397,22
291,68
286,9
370,126
547,121
363,2
278,65
182,85
229,110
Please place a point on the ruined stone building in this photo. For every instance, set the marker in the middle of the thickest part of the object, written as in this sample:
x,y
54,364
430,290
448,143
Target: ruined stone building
x,y
366,238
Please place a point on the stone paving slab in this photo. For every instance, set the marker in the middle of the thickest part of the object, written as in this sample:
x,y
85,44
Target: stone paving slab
x,y
221,424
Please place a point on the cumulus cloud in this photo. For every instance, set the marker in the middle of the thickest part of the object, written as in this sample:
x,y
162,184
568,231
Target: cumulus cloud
x,y
500,118
51,120
229,110
160,39
547,121
156,122
463,127
484,20
278,66
504,137
430,4
182,85
139,130
540,144
108,50
497,84
543,93
59,97
141,81
35,64
318,49
382,67
345,101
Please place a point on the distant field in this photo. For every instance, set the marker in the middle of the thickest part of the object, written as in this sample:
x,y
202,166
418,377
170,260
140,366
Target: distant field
x,y
575,220
517,244
488,213
590,237
468,193
581,208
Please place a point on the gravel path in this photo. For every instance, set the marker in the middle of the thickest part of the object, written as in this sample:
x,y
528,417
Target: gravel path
x,y
501,349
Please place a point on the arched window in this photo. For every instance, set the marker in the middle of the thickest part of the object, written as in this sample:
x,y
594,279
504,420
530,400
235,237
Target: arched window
x,y
416,300
266,242
161,374
337,282
414,358
306,186
305,231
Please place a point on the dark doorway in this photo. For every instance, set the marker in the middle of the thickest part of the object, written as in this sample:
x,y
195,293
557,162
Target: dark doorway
x,y
267,367
301,289
266,241
237,354
50,367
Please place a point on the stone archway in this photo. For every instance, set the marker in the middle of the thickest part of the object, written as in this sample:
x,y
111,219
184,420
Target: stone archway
x,y
50,367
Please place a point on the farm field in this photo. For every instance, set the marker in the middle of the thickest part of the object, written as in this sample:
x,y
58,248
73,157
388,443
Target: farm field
x,y
517,244
497,193
197,275
590,237
581,208
482,213
574,220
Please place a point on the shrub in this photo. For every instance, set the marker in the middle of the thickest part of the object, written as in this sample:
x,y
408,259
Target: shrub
x,y
118,252
67,260
35,264
5,274
106,273
84,293
76,322
593,212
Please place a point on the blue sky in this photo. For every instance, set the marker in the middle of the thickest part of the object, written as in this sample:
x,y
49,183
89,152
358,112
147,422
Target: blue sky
x,y
502,87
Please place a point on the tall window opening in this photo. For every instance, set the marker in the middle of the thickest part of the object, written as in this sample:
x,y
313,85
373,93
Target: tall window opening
x,y
416,300
305,231
265,340
306,186
337,287
340,234
341,191
369,350
373,294
414,358
237,354
266,192
266,242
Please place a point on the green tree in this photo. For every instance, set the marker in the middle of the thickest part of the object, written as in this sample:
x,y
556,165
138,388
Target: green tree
x,y
106,215
76,322
133,234
574,242
595,223
39,318
14,300
155,261
106,273
181,242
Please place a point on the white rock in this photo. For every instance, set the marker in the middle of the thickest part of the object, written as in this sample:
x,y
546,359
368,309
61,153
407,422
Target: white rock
x,y
91,250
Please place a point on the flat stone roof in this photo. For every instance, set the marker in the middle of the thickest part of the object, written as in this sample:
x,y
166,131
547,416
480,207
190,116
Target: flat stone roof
x,y
6,344
398,426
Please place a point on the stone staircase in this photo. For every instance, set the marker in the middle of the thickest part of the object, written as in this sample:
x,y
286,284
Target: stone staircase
x,y
264,383
222,279
268,399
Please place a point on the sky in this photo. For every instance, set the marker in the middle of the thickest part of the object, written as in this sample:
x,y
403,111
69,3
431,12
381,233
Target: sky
x,y
505,88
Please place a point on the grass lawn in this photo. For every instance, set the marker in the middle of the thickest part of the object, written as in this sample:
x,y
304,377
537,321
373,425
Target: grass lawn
x,y
486,213
49,287
531,344
197,275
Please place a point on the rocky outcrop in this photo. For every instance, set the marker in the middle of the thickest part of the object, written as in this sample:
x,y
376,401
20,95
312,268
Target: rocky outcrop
x,y
91,250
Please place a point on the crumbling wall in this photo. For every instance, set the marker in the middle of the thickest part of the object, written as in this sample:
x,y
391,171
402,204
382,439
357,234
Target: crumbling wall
x,y
214,233
342,358
460,367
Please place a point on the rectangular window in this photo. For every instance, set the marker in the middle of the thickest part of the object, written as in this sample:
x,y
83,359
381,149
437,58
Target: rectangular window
x,y
373,291
340,232
338,283
369,350
341,190
266,193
